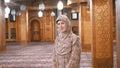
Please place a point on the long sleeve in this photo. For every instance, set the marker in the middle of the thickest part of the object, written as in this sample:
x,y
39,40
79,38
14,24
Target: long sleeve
x,y
54,59
74,61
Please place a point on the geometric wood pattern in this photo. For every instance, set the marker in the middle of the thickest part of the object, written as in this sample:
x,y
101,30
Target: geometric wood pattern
x,y
102,47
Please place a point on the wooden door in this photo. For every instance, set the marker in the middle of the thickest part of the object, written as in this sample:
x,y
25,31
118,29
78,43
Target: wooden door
x,y
35,30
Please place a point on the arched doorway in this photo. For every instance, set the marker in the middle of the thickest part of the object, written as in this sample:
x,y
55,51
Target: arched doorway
x,y
35,30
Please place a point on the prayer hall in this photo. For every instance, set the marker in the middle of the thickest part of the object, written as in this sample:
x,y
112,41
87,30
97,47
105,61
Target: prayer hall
x,y
28,31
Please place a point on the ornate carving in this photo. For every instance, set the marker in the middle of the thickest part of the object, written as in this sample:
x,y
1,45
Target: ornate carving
x,y
102,28
46,26
102,32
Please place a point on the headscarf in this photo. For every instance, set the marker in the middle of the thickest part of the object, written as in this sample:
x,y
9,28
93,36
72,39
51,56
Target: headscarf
x,y
66,20
64,37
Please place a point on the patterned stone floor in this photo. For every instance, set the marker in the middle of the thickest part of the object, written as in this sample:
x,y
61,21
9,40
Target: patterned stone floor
x,y
35,55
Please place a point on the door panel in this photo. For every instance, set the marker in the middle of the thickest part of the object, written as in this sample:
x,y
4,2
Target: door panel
x,y
35,31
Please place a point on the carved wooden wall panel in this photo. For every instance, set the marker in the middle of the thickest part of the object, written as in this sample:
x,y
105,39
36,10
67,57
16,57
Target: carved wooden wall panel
x,y
102,33
2,27
49,26
10,26
35,30
23,28
47,23
13,25
86,25
18,33
86,28
75,23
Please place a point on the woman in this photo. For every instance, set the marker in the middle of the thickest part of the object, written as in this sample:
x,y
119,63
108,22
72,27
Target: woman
x,y
67,47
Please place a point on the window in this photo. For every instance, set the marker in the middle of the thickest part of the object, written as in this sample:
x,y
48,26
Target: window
x,y
74,16
13,33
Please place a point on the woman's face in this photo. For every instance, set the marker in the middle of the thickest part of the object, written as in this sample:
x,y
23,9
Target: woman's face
x,y
61,26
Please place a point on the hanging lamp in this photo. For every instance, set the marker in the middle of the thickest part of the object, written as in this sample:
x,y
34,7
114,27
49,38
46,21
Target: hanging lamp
x,y
52,13
41,5
69,2
60,5
7,1
7,10
40,14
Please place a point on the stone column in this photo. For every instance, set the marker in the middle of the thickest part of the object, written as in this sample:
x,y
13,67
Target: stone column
x,y
118,31
2,27
24,27
101,22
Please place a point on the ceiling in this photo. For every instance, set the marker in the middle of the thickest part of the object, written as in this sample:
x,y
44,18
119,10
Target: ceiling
x,y
33,4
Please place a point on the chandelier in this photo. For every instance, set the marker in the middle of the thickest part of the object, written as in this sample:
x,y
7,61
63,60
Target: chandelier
x,y
41,8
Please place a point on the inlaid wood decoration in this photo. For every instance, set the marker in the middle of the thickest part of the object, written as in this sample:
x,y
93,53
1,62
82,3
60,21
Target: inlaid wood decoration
x,y
102,34
43,29
38,28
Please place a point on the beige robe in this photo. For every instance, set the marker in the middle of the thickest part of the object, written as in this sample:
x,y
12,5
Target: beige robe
x,y
67,52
